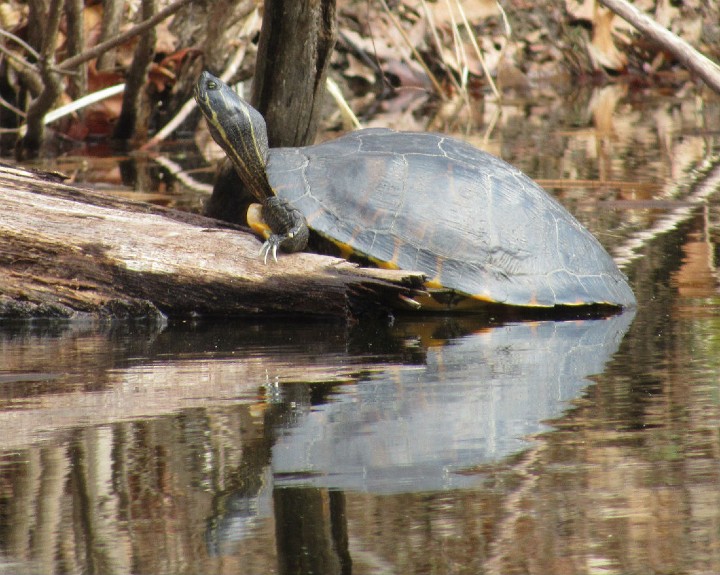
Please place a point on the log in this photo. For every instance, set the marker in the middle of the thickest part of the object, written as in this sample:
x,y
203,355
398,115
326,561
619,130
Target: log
x,y
74,253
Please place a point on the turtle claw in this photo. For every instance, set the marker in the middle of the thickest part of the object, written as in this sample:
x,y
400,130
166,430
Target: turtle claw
x,y
270,247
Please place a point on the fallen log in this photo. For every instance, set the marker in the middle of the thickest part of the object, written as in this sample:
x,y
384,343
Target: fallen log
x,y
71,252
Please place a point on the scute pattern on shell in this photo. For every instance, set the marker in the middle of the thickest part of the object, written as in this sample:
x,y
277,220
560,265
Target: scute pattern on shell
x,y
470,221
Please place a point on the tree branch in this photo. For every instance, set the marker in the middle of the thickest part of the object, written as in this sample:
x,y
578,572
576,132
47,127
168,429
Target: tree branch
x,y
688,56
29,145
95,51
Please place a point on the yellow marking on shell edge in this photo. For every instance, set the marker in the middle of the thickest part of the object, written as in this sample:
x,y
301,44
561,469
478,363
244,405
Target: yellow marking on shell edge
x,y
434,283
483,297
391,265
346,251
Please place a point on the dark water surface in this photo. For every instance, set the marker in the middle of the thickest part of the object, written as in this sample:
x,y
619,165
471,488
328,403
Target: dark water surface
x,y
432,445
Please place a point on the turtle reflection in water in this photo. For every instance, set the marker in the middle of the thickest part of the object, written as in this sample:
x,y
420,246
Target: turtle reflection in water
x,y
472,223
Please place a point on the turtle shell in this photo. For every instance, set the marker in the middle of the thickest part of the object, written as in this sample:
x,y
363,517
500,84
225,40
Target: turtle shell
x,y
471,222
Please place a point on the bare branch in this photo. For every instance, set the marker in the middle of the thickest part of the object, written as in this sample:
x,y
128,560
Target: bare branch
x,y
112,17
30,143
95,51
22,43
77,83
688,56
135,105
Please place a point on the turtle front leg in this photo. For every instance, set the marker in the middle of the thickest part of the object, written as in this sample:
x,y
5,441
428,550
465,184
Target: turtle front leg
x,y
282,226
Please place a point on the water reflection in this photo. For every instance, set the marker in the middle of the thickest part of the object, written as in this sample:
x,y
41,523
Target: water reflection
x,y
214,432
128,448
473,402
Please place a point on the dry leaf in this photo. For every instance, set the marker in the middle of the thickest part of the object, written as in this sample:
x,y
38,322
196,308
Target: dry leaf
x,y
11,15
92,23
377,45
356,68
602,48
581,9
475,11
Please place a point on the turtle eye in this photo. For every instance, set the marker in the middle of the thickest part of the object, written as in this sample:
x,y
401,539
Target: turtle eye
x,y
212,85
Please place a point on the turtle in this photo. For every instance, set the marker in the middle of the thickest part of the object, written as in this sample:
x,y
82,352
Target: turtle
x,y
478,228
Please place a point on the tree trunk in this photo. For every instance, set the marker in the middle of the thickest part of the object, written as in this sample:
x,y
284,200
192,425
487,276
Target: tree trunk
x,y
296,42
135,113
69,252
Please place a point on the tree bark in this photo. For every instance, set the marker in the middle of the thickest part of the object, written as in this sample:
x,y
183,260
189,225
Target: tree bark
x,y
29,145
112,18
296,42
134,116
74,12
69,252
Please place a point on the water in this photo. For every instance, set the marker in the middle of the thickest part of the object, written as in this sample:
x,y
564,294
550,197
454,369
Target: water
x,y
432,445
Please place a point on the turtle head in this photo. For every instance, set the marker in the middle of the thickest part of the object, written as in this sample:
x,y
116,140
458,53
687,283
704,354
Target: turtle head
x,y
239,129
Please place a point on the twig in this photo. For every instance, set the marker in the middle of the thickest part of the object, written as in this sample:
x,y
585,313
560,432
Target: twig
x,y
84,102
438,47
183,176
494,118
62,111
460,53
13,109
22,43
478,52
20,60
430,75
171,126
341,102
95,51
29,72
688,56
508,29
